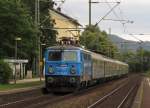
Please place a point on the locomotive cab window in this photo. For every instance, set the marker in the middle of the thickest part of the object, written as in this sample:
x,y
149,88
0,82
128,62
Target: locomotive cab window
x,y
62,56
70,56
54,56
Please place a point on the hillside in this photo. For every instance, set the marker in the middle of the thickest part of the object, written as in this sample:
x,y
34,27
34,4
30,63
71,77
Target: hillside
x,y
124,45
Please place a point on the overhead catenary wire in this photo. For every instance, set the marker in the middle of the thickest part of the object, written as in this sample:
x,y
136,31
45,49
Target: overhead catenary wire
x,y
120,18
107,13
114,12
62,2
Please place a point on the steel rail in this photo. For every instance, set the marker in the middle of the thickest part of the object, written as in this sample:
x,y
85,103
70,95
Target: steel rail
x,y
106,96
47,101
82,92
113,92
128,94
19,101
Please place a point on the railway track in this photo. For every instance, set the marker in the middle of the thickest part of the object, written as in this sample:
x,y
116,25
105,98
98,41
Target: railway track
x,y
9,97
42,101
48,103
121,97
25,103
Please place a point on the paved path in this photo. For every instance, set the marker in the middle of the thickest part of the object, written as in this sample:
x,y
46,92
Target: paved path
x,y
17,90
146,93
138,99
27,80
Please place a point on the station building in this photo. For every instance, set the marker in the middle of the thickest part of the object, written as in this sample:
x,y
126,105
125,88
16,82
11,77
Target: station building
x,y
66,26
19,68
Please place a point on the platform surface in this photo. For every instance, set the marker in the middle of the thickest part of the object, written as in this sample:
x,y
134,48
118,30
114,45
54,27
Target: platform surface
x,y
146,93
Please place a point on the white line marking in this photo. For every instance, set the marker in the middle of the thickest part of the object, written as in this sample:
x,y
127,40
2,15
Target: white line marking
x,y
148,81
120,105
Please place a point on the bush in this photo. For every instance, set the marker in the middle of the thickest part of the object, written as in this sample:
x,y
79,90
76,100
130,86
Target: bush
x,y
5,72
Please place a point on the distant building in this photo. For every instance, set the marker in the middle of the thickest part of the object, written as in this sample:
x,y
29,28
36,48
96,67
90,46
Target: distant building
x,y
67,27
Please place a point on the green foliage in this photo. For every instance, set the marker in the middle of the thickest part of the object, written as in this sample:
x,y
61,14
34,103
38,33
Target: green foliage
x,y
147,73
5,72
139,61
96,40
5,87
48,36
15,21
131,58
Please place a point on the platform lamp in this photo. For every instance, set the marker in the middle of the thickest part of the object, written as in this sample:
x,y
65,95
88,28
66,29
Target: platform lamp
x,y
16,54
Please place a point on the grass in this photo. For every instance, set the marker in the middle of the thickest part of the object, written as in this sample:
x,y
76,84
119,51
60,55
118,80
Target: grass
x,y
5,87
147,74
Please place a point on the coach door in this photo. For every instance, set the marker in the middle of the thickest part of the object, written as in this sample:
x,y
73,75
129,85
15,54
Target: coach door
x,y
87,65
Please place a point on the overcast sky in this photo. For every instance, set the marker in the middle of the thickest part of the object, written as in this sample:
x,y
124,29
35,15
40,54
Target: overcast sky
x,y
133,10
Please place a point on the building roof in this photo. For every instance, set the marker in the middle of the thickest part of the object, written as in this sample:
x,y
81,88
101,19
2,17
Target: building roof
x,y
16,60
66,16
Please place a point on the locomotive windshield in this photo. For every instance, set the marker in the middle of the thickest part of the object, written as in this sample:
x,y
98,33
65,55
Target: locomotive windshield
x,y
62,55
54,56
69,56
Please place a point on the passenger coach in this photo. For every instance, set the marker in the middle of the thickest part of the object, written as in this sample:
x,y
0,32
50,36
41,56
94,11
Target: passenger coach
x,y
68,68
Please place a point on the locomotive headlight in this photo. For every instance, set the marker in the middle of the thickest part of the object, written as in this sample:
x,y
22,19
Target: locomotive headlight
x,y
50,70
73,70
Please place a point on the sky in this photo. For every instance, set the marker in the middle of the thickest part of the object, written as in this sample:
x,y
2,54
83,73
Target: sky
x,y
132,10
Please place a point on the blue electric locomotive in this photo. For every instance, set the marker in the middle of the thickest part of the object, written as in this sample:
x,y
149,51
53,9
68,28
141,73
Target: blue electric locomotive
x,y
63,68
68,68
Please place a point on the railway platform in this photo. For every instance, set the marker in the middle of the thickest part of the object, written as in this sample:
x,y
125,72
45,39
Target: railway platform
x,y
27,80
146,93
21,85
142,99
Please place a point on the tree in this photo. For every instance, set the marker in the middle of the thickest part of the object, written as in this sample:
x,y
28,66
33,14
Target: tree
x,y
138,61
131,59
5,72
15,21
48,36
96,40
143,58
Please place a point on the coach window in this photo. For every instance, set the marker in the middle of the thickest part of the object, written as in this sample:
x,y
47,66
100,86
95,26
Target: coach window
x,y
85,56
88,57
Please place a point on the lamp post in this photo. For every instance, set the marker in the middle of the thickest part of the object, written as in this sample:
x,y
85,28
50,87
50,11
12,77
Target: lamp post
x,y
89,12
16,55
16,41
